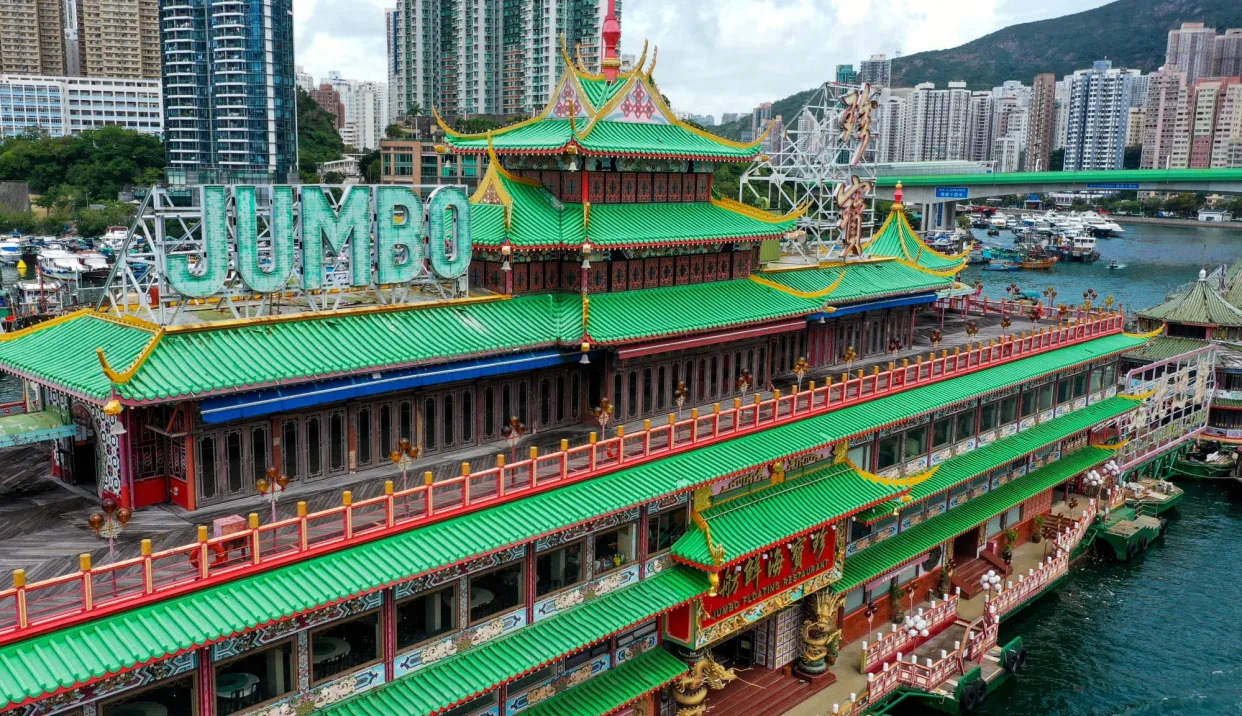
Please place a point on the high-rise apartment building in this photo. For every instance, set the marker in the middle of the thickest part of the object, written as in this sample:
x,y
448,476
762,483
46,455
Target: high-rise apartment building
x,y
1166,92
759,119
120,38
1205,123
935,123
979,124
366,115
728,117
877,71
847,75
1227,54
62,106
230,105
1007,154
1134,126
486,56
1190,49
1011,123
1139,85
1039,135
326,96
1099,104
32,37
891,117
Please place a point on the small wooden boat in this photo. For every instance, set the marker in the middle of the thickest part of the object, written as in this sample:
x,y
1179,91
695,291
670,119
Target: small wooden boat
x,y
1040,264
1001,265
993,232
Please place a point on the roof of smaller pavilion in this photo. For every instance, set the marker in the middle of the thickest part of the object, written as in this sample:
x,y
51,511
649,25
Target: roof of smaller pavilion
x,y
1200,306
588,114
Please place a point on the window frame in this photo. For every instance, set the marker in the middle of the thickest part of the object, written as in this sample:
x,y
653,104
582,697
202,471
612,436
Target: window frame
x,y
453,587
380,630
294,674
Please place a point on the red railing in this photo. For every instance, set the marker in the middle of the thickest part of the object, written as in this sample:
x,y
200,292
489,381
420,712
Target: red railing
x,y
899,639
95,590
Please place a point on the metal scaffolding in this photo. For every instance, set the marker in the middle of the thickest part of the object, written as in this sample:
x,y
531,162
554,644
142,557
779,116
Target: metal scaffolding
x,y
829,147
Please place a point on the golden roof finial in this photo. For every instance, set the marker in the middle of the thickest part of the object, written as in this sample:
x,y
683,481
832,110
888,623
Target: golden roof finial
x,y
655,56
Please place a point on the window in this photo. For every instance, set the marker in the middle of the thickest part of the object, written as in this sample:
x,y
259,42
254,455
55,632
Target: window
x,y
207,465
942,432
386,444
474,706
853,599
233,459
615,548
1080,385
664,528
534,678
558,568
1009,410
637,634
314,446
987,417
888,452
255,677
587,655
362,423
467,417
176,696
916,442
446,420
1045,396
964,425
426,616
291,461
336,441
1029,398
345,645
429,423
497,591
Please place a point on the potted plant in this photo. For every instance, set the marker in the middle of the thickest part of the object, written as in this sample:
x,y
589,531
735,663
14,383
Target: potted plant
x,y
1038,535
1011,536
895,602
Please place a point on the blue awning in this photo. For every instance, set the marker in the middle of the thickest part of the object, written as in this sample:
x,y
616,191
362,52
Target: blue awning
x,y
873,305
277,400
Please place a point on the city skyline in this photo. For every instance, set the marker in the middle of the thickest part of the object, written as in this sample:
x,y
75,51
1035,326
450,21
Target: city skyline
x,y
738,47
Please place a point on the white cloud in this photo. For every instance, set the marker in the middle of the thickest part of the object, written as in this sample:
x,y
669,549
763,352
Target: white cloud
x,y
721,56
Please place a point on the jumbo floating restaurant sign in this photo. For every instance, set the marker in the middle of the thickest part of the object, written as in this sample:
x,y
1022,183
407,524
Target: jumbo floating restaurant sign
x,y
372,236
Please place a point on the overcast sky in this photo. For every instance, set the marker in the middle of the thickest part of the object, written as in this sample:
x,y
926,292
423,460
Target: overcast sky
x,y
715,55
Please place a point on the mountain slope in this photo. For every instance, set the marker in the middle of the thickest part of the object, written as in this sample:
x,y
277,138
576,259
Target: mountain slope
x,y
1131,33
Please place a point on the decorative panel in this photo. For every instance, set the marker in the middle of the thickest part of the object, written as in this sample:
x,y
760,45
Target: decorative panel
x,y
636,273
551,275
571,187
597,277
458,642
666,271
741,264
696,268
659,187
629,191
595,187
571,275
643,187
551,181
710,266
651,273
703,190
620,275
682,270
536,276
612,188
688,183
521,277
723,267
674,187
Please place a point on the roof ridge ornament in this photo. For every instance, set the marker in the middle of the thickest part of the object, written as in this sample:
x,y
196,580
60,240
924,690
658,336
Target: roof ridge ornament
x,y
611,32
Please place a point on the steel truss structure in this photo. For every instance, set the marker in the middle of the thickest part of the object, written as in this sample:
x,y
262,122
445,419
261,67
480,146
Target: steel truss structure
x,y
806,162
1177,396
170,221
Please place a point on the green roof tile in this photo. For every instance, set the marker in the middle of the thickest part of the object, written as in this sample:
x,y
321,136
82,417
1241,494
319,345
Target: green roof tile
x,y
895,551
896,239
661,139
41,353
457,678
754,521
863,281
674,310
545,134
614,688
1201,305
955,471
1161,347
599,91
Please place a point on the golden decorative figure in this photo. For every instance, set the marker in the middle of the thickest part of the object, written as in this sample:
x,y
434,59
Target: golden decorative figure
x,y
818,542
750,572
729,585
821,638
690,690
855,119
776,563
851,200
797,550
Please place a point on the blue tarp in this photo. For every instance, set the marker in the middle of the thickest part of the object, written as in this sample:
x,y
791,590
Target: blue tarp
x,y
873,305
278,400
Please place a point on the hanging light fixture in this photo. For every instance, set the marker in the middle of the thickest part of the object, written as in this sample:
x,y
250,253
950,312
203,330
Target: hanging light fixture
x,y
586,359
505,251
586,252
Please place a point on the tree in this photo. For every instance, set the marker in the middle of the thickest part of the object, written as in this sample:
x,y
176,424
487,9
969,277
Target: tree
x,y
1184,204
318,141
333,178
1132,157
477,125
394,131
1235,207
369,166
414,109
99,162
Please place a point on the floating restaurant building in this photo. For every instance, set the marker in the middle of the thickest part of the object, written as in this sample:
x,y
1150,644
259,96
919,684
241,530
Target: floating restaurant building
x,y
763,460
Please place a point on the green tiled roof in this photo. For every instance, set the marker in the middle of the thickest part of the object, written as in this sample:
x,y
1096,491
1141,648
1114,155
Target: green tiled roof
x,y
1161,347
599,91
543,135
541,221
897,240
457,678
187,363
1233,403
41,352
673,310
895,551
614,688
863,281
1201,305
754,521
955,471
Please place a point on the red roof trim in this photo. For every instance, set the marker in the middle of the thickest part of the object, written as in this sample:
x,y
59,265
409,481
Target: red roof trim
x,y
647,349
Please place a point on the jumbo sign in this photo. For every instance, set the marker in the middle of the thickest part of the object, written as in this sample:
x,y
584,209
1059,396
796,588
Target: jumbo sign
x,y
372,236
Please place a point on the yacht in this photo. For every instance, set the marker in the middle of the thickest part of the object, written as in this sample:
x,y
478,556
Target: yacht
x,y
999,221
56,262
10,251
114,239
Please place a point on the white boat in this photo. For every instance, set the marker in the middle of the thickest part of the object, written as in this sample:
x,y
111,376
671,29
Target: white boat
x,y
10,252
35,297
999,221
114,238
58,263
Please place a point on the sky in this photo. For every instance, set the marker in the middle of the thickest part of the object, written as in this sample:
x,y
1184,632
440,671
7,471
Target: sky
x,y
716,56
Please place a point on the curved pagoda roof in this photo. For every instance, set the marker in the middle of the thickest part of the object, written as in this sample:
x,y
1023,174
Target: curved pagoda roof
x,y
1200,306
507,207
592,116
896,239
